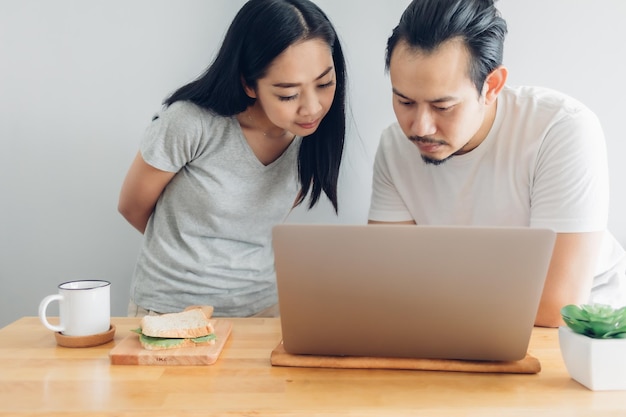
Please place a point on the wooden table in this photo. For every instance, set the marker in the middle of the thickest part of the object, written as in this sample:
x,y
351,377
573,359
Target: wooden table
x,y
37,377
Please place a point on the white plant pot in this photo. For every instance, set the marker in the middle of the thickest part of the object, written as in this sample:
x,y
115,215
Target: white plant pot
x,y
598,364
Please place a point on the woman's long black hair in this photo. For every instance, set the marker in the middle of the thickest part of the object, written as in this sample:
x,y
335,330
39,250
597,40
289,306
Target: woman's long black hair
x,y
261,31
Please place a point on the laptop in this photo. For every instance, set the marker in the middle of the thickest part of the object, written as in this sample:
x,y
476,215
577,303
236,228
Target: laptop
x,y
442,292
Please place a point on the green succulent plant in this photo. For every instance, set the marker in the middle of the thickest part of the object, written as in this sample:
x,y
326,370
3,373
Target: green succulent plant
x,y
599,321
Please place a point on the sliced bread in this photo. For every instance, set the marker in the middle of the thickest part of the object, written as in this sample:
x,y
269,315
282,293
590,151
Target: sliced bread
x,y
186,324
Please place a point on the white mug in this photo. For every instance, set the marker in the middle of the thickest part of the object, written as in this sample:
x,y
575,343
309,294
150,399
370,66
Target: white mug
x,y
84,308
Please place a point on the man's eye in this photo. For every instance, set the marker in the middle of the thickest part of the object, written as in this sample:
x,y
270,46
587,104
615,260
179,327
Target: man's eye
x,y
443,109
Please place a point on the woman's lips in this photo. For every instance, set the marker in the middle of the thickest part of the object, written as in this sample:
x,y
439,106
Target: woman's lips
x,y
309,125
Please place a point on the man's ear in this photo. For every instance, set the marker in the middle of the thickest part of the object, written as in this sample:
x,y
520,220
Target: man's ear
x,y
250,92
494,83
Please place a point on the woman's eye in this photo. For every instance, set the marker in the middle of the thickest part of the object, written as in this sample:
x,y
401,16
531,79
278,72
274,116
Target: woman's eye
x,y
287,98
328,84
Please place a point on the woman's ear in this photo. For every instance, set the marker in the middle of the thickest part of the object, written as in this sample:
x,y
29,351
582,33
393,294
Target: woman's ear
x,y
250,92
494,84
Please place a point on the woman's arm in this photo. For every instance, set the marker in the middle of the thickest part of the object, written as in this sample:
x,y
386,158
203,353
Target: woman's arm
x,y
141,189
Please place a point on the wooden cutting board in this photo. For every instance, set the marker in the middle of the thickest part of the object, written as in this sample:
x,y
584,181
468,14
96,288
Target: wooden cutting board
x,y
130,352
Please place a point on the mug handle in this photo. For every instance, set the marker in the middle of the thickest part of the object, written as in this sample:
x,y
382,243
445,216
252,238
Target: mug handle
x,y
43,306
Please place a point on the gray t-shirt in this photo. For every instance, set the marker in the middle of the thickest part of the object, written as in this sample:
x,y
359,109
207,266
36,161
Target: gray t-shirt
x,y
208,241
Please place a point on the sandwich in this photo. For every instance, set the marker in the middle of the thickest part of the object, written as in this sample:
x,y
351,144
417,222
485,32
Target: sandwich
x,y
176,330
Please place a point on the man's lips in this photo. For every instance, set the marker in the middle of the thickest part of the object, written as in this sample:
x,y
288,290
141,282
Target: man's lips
x,y
427,145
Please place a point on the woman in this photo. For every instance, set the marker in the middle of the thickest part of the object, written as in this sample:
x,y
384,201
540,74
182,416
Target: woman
x,y
228,158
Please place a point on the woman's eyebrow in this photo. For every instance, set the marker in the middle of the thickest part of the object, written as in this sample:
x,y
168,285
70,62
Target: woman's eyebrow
x,y
291,85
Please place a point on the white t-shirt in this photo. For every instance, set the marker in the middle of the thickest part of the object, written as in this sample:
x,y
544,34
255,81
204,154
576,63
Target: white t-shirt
x,y
208,241
543,164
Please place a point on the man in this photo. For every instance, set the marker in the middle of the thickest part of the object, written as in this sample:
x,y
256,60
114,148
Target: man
x,y
469,150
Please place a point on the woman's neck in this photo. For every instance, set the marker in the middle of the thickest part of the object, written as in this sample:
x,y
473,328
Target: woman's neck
x,y
254,119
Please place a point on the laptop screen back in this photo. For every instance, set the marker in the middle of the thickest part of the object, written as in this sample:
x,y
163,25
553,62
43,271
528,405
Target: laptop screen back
x,y
410,291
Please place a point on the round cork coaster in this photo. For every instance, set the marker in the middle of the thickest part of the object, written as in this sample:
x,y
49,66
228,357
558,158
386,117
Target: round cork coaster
x,y
85,341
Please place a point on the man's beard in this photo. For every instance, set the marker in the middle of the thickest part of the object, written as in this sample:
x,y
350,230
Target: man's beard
x,y
427,159
435,162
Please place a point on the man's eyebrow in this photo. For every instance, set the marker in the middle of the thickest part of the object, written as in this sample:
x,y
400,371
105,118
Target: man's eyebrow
x,y
291,85
399,94
437,100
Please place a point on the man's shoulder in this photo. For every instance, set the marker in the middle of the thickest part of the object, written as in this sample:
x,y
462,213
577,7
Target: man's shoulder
x,y
393,138
534,114
541,99
393,131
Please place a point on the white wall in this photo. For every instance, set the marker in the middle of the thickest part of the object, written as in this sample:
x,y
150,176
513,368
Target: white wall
x,y
79,81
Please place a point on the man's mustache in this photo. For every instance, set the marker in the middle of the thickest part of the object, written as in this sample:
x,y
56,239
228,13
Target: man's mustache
x,y
422,139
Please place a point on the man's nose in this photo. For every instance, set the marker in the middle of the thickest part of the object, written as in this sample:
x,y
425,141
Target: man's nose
x,y
423,123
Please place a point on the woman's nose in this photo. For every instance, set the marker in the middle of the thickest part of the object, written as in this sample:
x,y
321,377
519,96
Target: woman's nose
x,y
310,105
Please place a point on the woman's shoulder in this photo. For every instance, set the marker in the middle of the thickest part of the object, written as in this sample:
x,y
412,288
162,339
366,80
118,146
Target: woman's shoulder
x,y
185,114
183,108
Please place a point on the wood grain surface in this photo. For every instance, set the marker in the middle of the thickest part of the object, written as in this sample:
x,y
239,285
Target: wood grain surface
x,y
40,378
